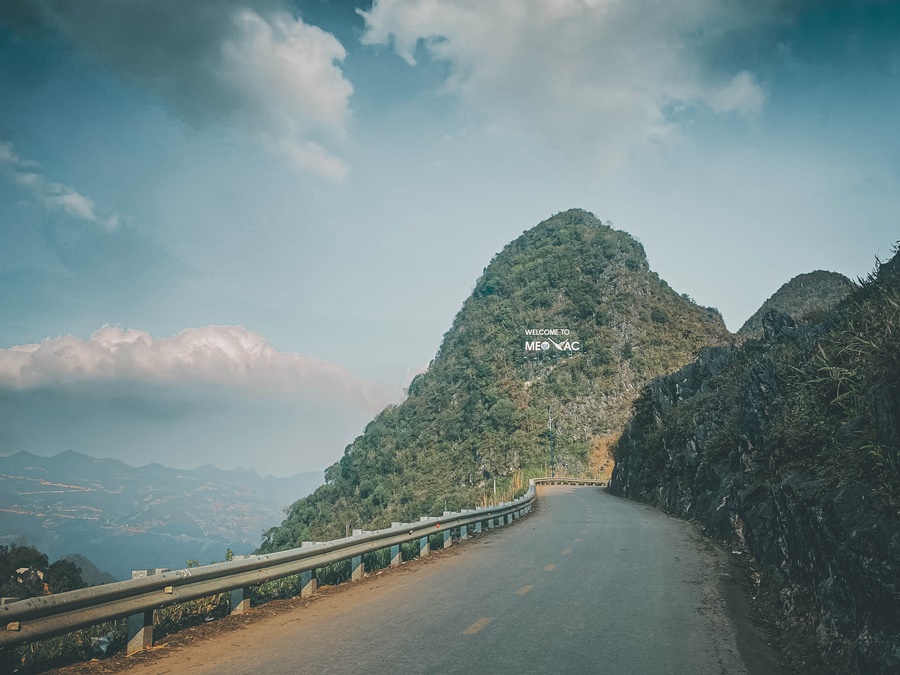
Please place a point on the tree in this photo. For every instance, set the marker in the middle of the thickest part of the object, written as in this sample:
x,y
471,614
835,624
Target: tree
x,y
64,575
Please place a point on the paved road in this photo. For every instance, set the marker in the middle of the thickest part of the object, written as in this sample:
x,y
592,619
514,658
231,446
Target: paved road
x,y
588,583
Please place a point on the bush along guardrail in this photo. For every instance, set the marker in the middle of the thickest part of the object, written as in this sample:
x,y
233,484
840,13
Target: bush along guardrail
x,y
148,590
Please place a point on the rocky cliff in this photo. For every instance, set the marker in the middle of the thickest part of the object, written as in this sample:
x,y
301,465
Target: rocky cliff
x,y
788,447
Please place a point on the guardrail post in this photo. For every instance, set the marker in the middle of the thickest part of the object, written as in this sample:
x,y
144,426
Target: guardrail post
x,y
140,632
396,556
240,597
448,533
490,523
308,583
308,580
240,600
478,527
140,625
464,529
357,567
424,544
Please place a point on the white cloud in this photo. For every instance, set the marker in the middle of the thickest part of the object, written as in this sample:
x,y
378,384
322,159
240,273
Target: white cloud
x,y
51,195
229,356
596,77
8,157
284,70
73,203
247,64
742,95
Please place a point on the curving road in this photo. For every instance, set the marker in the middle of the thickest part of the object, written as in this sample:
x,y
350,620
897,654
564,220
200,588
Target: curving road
x,y
588,583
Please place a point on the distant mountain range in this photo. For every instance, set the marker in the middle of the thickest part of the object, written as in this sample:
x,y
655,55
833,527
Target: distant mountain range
x,y
125,517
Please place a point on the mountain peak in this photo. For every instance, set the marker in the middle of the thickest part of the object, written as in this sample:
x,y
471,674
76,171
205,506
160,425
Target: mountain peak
x,y
804,298
479,414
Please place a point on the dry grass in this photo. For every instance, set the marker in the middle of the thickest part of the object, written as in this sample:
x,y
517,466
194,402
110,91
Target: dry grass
x,y
600,459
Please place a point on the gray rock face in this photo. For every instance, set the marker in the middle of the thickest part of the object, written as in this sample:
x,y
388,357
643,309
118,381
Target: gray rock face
x,y
703,445
805,297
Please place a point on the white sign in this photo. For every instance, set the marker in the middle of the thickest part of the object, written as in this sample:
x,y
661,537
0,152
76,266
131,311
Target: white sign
x,y
547,331
548,343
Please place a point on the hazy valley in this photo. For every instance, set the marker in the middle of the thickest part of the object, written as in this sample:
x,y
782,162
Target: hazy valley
x,y
123,518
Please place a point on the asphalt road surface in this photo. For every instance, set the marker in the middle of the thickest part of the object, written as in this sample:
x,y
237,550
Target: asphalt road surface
x,y
588,583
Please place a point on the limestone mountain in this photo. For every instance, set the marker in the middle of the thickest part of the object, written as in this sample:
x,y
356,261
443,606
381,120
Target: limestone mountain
x,y
478,418
90,573
804,298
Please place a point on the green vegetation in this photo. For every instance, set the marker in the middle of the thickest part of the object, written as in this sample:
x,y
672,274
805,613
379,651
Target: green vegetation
x,y
25,572
841,416
824,399
476,421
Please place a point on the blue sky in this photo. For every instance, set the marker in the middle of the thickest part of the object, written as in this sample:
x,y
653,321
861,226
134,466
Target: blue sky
x,y
332,177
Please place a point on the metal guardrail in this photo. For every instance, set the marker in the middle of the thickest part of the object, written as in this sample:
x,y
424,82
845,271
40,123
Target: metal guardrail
x,y
46,616
42,617
570,481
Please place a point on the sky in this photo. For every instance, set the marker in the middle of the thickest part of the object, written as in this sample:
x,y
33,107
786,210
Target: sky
x,y
231,231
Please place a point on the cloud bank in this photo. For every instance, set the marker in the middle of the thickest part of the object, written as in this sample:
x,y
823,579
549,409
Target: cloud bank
x,y
596,77
51,195
223,356
251,66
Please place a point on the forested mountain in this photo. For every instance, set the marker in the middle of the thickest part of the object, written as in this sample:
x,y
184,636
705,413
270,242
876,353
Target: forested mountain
x,y
806,297
479,415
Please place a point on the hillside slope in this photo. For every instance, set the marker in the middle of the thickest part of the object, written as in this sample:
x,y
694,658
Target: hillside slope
x,y
479,414
789,448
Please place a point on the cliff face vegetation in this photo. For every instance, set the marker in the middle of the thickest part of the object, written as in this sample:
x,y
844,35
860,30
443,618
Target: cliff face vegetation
x,y
789,448
478,417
